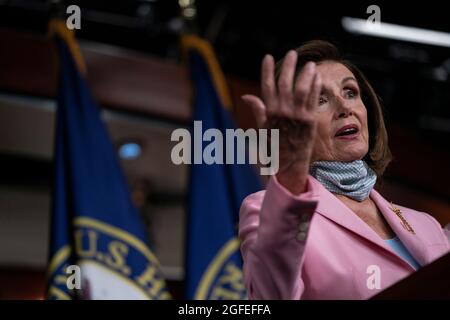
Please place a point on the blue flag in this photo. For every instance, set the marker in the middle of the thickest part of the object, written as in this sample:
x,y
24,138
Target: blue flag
x,y
213,260
99,248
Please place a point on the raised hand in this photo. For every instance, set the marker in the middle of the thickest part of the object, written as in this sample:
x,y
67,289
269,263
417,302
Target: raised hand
x,y
289,105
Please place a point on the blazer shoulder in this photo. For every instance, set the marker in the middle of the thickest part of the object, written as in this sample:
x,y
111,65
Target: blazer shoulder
x,y
424,217
427,223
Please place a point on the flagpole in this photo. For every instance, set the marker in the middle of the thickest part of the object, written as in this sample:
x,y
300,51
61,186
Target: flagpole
x,y
195,43
190,40
57,27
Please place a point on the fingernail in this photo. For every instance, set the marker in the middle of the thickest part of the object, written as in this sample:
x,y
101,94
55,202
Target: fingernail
x,y
311,66
291,53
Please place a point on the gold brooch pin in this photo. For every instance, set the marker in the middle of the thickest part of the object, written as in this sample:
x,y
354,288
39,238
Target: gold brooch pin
x,y
405,223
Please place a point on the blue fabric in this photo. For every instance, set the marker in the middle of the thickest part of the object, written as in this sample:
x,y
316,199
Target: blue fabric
x,y
397,245
353,179
216,193
93,217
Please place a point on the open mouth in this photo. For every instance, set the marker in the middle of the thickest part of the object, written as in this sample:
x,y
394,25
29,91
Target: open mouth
x,y
347,131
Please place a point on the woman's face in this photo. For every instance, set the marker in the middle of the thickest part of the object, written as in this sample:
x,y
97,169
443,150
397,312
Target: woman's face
x,y
342,131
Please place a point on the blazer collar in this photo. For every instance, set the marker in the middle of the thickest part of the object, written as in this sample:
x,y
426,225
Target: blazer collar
x,y
332,208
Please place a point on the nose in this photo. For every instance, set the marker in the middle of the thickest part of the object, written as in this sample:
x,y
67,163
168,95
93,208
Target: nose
x,y
343,108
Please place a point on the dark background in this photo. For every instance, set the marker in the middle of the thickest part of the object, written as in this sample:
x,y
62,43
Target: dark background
x,y
138,77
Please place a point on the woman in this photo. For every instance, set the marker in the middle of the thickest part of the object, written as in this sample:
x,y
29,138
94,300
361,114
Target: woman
x,y
320,230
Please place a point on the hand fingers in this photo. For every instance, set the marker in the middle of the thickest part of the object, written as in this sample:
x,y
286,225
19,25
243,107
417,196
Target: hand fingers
x,y
303,84
314,94
258,108
268,89
286,79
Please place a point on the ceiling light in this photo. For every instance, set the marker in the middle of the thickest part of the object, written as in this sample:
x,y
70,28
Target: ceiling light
x,y
396,32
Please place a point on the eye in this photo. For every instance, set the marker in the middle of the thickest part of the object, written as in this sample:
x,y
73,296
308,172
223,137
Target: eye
x,y
322,100
351,93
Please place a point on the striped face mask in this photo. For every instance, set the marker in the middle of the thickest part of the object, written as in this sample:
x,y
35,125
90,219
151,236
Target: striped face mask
x,y
353,179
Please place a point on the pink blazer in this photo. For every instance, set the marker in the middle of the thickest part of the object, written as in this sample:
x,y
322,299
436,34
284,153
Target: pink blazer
x,y
312,246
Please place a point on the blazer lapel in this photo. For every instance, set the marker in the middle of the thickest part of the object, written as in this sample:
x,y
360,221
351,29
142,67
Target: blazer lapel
x,y
403,227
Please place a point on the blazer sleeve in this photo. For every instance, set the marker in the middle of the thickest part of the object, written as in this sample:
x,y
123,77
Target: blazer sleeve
x,y
273,228
446,230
